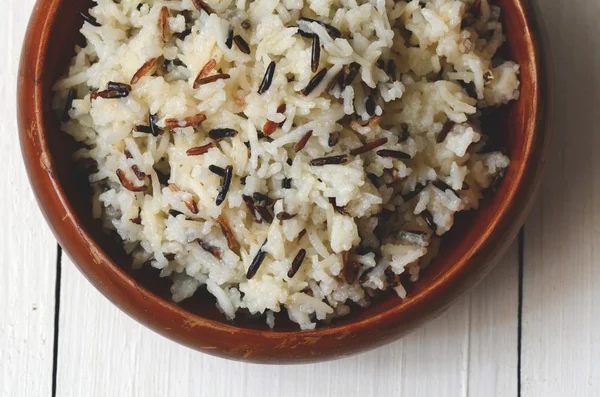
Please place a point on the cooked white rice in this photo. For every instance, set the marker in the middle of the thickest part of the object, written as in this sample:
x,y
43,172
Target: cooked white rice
x,y
363,228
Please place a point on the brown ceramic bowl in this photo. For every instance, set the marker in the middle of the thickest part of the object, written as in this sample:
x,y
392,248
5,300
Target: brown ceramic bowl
x,y
468,252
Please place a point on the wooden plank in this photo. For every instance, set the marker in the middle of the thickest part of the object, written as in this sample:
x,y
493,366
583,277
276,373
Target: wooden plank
x,y
470,350
560,309
27,246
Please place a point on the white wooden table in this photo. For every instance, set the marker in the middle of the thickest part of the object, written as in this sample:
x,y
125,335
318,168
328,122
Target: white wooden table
x,y
532,328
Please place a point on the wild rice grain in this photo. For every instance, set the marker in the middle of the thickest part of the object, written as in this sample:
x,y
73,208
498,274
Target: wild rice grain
x,y
144,70
341,159
201,5
352,73
231,241
249,201
315,54
127,184
443,186
220,133
397,154
241,44
334,138
297,263
284,216
224,189
163,24
267,79
175,213
264,213
229,41
338,79
204,72
139,174
256,262
214,251
314,82
369,146
191,205
300,145
210,79
409,196
109,94
192,121
445,131
200,150
118,86
287,183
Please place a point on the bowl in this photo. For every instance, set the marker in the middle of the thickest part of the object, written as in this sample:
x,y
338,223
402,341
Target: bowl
x,y
467,254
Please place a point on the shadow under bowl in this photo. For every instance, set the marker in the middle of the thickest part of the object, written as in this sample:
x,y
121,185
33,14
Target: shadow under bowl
x,y
467,254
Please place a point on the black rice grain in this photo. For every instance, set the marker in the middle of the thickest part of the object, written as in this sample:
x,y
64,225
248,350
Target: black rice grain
x,y
220,133
224,189
314,82
396,154
229,41
296,263
256,262
268,79
152,119
409,196
89,19
341,159
215,169
315,54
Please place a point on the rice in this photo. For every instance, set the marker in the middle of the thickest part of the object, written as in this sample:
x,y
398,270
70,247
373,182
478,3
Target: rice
x,y
286,154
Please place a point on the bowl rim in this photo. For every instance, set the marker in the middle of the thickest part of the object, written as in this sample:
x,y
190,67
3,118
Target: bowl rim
x,y
209,336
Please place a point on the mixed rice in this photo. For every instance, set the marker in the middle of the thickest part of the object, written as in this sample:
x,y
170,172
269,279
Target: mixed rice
x,y
297,155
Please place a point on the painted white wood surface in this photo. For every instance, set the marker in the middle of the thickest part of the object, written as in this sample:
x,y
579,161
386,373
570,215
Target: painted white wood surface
x,y
471,350
561,305
27,248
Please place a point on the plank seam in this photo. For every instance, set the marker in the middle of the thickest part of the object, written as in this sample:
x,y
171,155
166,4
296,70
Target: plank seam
x,y
520,307
56,317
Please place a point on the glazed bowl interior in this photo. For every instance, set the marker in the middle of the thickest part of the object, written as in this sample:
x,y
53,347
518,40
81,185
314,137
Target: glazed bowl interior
x,y
467,251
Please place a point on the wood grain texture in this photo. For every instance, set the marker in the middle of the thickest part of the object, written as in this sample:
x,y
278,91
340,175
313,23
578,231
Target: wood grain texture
x,y
561,330
27,246
471,350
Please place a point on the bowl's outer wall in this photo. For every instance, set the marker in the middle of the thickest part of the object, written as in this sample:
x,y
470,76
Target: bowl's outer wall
x,y
467,254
